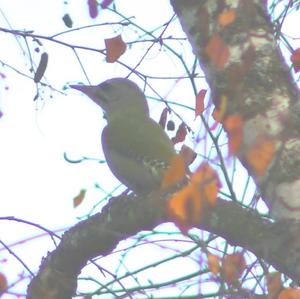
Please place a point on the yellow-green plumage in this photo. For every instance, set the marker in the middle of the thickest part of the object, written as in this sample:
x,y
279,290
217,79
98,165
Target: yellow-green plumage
x,y
136,148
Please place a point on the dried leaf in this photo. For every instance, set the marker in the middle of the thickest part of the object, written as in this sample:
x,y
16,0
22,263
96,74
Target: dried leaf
x,y
79,198
93,8
260,156
188,155
227,17
40,71
233,267
217,51
3,283
206,180
170,125
295,59
115,47
175,173
67,20
234,127
106,3
200,102
274,284
184,206
180,134
213,263
289,293
187,205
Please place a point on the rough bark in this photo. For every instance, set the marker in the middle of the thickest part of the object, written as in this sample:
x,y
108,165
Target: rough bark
x,y
124,216
234,41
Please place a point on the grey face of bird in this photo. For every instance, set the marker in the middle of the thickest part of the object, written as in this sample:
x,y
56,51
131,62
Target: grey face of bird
x,y
92,91
116,95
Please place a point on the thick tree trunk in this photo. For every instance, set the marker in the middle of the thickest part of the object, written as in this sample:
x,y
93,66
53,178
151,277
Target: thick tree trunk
x,y
252,90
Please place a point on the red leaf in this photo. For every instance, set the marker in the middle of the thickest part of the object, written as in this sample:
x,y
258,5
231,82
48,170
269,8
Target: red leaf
x,y
200,102
115,47
180,134
3,283
295,59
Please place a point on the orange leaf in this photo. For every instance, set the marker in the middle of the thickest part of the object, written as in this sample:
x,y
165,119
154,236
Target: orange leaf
x,y
163,117
175,173
3,283
289,293
200,102
115,47
233,267
226,17
260,156
217,51
213,262
79,198
206,180
234,127
93,8
274,284
186,206
180,134
295,59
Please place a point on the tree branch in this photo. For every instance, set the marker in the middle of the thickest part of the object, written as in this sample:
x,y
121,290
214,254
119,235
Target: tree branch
x,y
124,216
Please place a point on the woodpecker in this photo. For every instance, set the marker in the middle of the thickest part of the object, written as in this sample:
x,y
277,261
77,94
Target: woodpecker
x,y
137,149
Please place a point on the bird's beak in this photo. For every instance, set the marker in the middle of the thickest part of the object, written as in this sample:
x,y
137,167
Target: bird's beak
x,y
92,92
86,89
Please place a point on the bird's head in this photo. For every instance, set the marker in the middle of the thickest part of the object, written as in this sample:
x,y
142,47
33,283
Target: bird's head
x,y
116,96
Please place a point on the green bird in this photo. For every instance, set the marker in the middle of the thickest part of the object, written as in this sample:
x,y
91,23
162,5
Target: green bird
x,y
137,149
